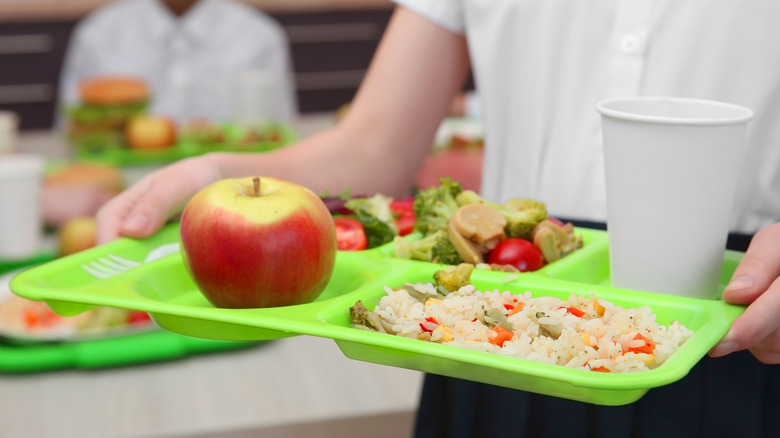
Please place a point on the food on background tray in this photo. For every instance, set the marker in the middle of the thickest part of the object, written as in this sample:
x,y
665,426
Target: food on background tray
x,y
255,135
150,132
72,189
206,134
105,176
258,242
24,319
76,234
579,332
106,104
458,225
112,120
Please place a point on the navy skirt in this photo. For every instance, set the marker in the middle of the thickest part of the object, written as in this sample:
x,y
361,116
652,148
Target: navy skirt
x,y
732,396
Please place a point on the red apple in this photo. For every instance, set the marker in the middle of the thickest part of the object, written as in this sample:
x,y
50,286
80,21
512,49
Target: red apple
x,y
149,132
253,242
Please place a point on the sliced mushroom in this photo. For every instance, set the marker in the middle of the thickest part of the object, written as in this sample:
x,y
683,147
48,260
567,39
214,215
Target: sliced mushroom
x,y
555,241
481,224
467,250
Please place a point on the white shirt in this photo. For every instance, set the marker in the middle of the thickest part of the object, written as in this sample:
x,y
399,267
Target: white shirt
x,y
193,63
558,58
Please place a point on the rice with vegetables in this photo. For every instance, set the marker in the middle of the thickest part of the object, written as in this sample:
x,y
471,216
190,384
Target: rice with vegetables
x,y
579,332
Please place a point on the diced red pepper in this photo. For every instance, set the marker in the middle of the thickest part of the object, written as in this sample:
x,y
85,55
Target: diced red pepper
x,y
601,369
501,335
574,311
517,308
648,346
429,325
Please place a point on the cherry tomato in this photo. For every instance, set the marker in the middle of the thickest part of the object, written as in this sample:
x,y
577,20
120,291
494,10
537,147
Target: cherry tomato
x,y
350,235
405,211
519,253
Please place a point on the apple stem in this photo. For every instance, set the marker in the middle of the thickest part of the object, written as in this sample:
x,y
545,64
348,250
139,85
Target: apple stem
x,y
256,186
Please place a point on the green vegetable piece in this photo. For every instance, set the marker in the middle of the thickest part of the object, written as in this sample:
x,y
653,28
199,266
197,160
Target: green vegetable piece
x,y
522,216
434,206
420,249
444,252
377,218
454,277
377,232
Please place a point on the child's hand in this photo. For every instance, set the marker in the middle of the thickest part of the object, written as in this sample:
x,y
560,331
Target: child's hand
x,y
756,282
144,208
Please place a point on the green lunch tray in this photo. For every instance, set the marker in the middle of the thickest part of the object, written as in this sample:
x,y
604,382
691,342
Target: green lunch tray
x,y
134,346
165,290
119,155
37,259
152,346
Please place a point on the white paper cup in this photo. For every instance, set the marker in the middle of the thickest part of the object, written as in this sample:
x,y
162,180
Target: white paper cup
x,y
21,222
671,166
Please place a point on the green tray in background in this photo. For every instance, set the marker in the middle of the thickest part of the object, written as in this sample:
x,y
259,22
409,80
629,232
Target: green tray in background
x,y
115,351
119,155
13,265
164,289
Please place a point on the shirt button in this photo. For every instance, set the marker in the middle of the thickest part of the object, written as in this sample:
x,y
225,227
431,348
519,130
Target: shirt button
x,y
630,44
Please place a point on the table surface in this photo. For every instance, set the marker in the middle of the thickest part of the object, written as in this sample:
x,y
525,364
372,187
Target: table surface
x,y
275,384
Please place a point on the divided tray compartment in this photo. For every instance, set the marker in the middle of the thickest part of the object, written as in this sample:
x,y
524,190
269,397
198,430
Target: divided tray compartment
x,y
594,245
708,319
164,289
591,265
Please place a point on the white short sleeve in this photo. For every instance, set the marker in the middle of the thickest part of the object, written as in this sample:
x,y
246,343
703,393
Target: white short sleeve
x,y
446,13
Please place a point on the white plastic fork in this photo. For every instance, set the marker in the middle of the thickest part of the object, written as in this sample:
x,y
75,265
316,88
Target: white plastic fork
x,y
111,265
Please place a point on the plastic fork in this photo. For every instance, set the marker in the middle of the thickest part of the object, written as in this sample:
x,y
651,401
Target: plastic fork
x,y
111,264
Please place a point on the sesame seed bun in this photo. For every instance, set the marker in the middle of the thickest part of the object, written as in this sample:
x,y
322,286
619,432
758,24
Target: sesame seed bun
x,y
113,90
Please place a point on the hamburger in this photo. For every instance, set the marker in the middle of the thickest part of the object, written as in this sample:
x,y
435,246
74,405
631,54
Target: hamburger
x,y
106,104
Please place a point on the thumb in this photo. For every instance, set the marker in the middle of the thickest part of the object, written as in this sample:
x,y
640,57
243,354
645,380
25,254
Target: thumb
x,y
758,269
136,212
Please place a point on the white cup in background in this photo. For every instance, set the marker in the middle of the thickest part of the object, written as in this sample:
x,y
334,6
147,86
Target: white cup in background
x,y
21,221
672,166
9,128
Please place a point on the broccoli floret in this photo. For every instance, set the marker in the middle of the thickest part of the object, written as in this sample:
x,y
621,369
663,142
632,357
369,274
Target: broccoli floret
x,y
522,215
435,247
444,252
467,197
434,206
377,218
453,278
420,249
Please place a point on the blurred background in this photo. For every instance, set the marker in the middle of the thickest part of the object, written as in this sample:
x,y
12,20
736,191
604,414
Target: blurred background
x,y
331,42
94,94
